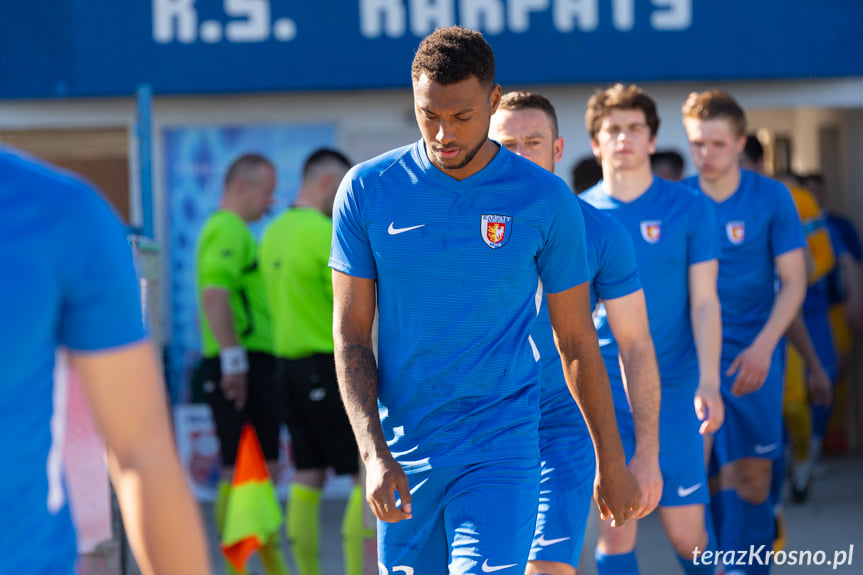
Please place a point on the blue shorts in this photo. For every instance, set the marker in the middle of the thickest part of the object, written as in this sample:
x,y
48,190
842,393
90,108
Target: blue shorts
x,y
681,449
818,326
466,519
566,487
753,422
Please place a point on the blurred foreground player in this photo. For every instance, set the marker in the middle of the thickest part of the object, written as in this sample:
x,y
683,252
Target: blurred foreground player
x,y
70,285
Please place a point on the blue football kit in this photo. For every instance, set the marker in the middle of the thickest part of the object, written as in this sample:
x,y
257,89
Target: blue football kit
x,y
457,266
566,451
757,224
69,283
816,315
669,225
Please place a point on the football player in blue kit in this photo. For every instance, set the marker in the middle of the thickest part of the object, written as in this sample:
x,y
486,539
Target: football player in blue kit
x,y
448,239
526,123
762,246
676,252
70,297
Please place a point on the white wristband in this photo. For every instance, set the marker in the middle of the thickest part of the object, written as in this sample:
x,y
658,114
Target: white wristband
x,y
234,360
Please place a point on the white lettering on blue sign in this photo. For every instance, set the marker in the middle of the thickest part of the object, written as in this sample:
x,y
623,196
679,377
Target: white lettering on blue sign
x,y
249,22
390,18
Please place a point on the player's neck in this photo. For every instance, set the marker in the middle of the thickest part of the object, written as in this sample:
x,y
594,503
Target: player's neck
x,y
627,185
722,187
231,204
305,200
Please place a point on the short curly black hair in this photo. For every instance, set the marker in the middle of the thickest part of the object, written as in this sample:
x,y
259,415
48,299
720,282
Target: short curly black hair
x,y
453,54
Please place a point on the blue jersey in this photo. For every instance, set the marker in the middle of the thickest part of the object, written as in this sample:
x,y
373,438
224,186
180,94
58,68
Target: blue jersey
x,y
457,265
613,274
845,239
670,228
757,224
846,230
69,281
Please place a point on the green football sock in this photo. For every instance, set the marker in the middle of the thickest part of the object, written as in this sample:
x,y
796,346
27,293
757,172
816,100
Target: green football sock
x,y
353,533
219,510
272,557
304,528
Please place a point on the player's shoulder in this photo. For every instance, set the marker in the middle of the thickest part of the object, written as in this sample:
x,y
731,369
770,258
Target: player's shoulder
x,y
57,195
596,197
596,219
680,189
766,186
378,169
224,222
276,228
683,193
691,182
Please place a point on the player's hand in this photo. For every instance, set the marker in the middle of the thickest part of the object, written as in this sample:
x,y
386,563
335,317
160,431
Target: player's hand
x,y
384,478
709,408
751,367
820,388
645,468
236,388
616,493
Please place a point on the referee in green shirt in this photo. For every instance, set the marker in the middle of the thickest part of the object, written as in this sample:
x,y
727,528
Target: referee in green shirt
x,y
295,253
237,370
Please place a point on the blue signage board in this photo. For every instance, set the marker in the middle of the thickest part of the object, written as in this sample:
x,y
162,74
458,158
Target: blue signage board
x,y
108,47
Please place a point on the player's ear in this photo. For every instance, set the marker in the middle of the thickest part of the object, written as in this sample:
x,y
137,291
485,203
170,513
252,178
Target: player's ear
x,y
495,97
558,149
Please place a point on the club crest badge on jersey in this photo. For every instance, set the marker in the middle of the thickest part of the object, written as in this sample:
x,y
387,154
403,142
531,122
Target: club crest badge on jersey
x,y
736,232
651,231
496,230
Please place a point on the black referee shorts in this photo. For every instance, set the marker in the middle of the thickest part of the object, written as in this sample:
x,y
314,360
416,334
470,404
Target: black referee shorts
x,y
321,434
261,408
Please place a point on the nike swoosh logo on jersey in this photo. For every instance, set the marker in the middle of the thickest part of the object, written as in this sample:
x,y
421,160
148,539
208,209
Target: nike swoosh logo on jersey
x,y
486,568
762,449
392,230
686,491
543,542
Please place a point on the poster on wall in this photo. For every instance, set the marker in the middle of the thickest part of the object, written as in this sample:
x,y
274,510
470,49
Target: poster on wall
x,y
196,159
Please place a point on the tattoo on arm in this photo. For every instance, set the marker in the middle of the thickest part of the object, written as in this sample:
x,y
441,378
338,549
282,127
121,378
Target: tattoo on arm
x,y
358,384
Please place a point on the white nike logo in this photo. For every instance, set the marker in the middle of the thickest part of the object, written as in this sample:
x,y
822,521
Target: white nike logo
x,y
486,568
762,449
684,492
543,542
392,230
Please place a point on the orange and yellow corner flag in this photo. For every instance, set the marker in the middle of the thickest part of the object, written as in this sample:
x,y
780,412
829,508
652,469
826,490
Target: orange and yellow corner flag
x,y
252,513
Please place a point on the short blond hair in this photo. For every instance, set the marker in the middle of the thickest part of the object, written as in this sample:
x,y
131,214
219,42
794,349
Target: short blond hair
x,y
715,105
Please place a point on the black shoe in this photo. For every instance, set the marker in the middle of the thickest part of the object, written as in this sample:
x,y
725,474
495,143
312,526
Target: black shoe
x,y
799,494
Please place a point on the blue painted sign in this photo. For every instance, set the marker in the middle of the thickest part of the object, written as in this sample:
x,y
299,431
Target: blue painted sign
x,y
106,47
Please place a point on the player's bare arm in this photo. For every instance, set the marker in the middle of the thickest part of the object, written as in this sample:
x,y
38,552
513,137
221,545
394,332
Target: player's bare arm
x,y
126,394
616,490
353,318
627,318
753,363
706,318
217,307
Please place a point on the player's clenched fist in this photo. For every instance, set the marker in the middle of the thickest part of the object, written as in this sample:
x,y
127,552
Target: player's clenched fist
x,y
387,489
616,492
